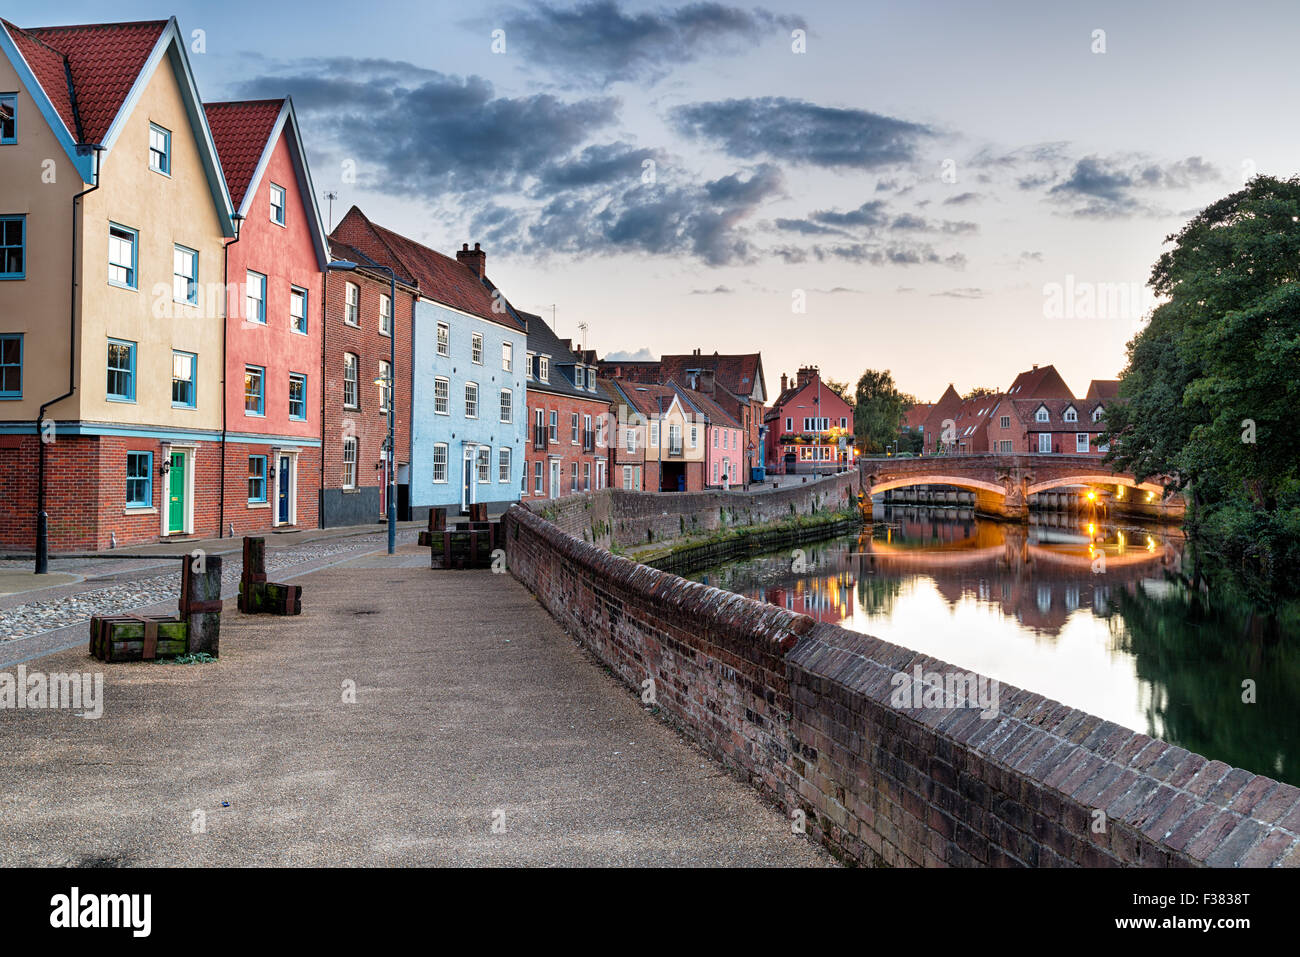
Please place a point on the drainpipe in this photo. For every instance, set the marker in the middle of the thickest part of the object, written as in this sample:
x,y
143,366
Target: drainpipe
x,y
225,327
42,520
324,331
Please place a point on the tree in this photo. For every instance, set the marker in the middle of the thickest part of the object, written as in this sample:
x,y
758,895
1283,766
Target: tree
x,y
877,410
979,392
1210,392
839,388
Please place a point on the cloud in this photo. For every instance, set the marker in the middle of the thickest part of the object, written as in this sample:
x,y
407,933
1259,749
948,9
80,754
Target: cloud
x,y
967,292
715,291
1099,187
961,199
800,132
597,165
640,355
597,42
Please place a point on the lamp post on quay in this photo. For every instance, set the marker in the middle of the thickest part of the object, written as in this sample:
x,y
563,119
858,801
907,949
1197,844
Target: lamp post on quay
x,y
344,265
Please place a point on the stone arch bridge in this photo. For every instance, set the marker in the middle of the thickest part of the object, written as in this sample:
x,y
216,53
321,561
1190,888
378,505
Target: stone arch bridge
x,y
1003,483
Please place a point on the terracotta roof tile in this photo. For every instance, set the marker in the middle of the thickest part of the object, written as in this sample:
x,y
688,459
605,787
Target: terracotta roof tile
x,y
240,131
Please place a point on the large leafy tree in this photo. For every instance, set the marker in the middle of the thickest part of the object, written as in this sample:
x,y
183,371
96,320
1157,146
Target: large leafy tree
x,y
878,408
1212,385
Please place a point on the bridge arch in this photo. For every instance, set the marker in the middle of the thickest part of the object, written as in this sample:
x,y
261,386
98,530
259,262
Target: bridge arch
x,y
960,481
1099,478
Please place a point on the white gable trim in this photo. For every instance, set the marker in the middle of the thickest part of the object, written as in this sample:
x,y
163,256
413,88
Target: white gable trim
x,y
83,163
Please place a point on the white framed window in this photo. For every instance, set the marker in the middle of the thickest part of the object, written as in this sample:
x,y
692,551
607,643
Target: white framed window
x,y
1097,414
529,363
298,310
122,245
508,356
1005,421
654,435
503,465
627,477
1071,415
553,428
350,392
483,459
386,388
539,478
349,463
352,304
695,437
789,424
160,150
1041,415
1044,441
1004,445
1081,442
444,339
579,377
586,476
441,395
476,348
573,429
440,463
471,400
185,275
630,437
543,369
277,204
386,314
507,406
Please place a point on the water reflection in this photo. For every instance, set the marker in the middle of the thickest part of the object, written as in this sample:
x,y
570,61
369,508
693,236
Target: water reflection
x,y
1074,607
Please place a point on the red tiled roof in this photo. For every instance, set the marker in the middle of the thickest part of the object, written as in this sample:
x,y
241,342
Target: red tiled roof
x,y
240,131
647,397
440,277
1103,390
735,373
104,59
715,413
1040,382
1026,409
916,415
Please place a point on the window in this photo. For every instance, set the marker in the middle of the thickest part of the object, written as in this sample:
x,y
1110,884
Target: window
x,y
715,473
386,314
503,465
695,437
255,298
530,365
121,256
675,439
1081,441
350,395
440,463
139,479
543,368
1044,441
554,429
1041,415
160,150
1071,415
1005,422
1097,414
298,309
573,477
1004,445
386,384
715,438
277,204
789,424
121,370
586,476
539,428
523,480
507,406
654,434
185,275
573,428
538,479
579,377
627,476
11,366
254,390
588,436
349,463
256,478
184,366
444,339
508,356
8,118
352,304
471,400
297,396
441,392
483,460
13,247
631,437
476,349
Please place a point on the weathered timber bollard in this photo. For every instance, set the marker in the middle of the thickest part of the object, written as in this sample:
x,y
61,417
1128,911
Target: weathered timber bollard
x,y
200,603
259,596
437,525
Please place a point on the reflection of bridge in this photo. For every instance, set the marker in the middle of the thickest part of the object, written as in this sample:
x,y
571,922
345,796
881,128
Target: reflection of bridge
x,y
1003,483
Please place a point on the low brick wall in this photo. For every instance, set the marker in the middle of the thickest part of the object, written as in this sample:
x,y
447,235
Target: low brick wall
x,y
803,711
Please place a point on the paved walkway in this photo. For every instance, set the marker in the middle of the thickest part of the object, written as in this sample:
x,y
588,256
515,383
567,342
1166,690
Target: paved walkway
x,y
471,706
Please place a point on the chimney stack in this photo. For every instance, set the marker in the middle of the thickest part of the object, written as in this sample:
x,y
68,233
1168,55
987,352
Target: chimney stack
x,y
784,379
475,259
806,375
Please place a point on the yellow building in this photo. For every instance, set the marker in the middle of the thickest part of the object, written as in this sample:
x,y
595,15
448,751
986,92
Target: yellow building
x,y
113,217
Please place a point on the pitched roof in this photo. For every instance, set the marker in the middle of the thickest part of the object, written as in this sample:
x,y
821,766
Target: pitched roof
x,y
1027,409
738,374
1039,382
915,415
714,413
101,61
543,340
1102,390
440,278
241,131
650,399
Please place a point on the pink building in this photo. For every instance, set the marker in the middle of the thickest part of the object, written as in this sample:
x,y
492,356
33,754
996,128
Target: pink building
x,y
274,327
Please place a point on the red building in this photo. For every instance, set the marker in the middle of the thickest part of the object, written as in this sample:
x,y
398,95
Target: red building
x,y
359,319
810,428
985,423
271,454
567,412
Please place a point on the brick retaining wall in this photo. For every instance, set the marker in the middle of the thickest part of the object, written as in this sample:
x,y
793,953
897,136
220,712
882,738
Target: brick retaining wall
x,y
803,712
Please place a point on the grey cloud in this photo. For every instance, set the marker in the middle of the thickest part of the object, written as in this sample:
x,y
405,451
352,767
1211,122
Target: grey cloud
x,y
961,199
640,355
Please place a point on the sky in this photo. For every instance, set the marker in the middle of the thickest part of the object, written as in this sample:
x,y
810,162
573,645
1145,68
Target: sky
x,y
947,190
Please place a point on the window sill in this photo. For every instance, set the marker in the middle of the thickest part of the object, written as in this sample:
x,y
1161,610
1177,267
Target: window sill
x,y
139,510
259,504
14,276
120,285
121,399
299,332
188,408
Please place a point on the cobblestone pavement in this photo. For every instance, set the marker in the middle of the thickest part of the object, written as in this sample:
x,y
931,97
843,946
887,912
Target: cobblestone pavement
x,y
143,582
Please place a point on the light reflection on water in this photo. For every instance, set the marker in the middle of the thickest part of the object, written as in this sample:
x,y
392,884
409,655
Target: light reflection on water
x,y
1084,612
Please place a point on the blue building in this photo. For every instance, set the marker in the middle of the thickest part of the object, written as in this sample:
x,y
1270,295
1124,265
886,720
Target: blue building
x,y
468,390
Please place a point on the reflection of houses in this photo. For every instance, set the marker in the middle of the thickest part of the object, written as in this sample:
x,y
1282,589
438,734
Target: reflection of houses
x,y
807,425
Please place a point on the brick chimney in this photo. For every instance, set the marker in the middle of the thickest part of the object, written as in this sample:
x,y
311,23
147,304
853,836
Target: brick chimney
x,y
707,382
783,381
807,374
475,259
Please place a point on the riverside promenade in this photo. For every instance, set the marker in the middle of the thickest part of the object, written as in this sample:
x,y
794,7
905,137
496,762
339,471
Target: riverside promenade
x,y
408,717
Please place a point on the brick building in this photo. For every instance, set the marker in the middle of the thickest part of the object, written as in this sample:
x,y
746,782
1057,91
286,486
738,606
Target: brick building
x,y
568,417
626,437
810,427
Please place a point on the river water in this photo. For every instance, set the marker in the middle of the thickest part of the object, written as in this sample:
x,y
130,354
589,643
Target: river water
x,y
1082,609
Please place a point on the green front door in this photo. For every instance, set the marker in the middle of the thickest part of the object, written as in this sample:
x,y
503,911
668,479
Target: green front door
x,y
176,494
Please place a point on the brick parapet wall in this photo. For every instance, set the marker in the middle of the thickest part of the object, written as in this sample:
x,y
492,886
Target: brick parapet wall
x,y
803,711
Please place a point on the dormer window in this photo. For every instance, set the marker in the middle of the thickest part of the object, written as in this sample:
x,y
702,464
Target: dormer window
x,y
1097,413
1042,415
543,369
530,365
578,377
1071,415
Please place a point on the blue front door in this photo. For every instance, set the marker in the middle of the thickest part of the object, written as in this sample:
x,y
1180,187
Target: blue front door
x,y
284,489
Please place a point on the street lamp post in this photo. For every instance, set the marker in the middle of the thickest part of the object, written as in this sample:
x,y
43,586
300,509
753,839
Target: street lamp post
x,y
343,265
